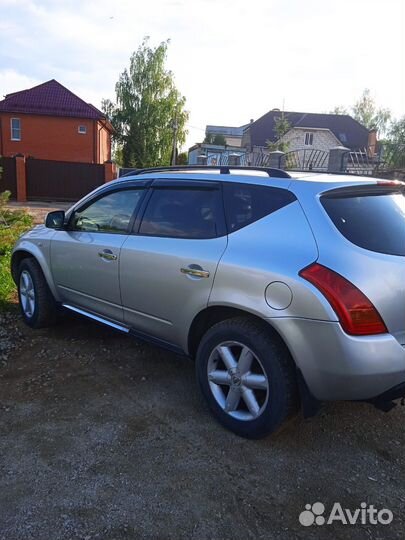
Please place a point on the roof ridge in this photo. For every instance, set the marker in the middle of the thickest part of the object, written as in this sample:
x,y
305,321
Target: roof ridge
x,y
76,96
28,89
303,114
50,97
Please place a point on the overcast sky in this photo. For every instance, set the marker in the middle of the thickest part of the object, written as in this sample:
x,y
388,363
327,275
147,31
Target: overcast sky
x,y
232,59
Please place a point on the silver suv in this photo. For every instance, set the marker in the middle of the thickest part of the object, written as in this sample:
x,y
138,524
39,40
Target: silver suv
x,y
286,290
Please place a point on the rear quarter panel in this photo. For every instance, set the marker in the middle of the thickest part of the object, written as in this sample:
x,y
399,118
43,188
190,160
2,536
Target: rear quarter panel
x,y
272,249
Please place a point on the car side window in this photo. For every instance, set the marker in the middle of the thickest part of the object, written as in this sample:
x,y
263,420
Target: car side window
x,y
183,213
109,214
247,203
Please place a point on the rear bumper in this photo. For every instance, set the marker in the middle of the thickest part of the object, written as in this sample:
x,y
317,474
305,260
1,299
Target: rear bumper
x,y
337,366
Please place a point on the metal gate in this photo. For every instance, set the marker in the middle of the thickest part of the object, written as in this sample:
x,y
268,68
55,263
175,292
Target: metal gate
x,y
8,177
369,162
307,160
61,180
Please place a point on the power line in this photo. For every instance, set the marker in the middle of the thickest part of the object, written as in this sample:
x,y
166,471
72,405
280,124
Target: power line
x,y
195,127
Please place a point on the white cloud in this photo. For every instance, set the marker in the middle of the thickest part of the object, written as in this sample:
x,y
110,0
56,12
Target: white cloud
x,y
11,81
232,59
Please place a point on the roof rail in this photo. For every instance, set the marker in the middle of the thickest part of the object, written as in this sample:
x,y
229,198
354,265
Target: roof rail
x,y
223,169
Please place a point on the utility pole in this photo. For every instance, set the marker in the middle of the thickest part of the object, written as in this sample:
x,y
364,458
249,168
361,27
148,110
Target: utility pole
x,y
175,129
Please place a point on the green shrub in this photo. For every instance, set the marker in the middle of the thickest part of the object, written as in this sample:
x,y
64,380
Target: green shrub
x,y
4,198
12,224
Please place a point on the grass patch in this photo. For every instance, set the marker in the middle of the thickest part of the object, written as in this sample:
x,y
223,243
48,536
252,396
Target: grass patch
x,y
12,225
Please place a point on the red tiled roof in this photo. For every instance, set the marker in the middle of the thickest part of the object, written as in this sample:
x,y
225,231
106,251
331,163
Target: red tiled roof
x,y
49,98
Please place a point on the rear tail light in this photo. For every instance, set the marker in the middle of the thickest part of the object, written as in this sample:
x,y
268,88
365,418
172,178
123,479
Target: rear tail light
x,y
356,313
390,183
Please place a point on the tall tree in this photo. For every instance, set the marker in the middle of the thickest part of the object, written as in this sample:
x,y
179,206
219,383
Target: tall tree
x,y
367,113
281,127
148,109
396,134
394,146
182,158
339,110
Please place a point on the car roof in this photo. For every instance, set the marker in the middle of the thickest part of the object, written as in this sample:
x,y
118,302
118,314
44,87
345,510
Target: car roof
x,y
316,181
302,184
248,178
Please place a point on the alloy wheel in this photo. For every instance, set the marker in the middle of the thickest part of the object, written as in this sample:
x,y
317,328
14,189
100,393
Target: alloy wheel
x,y
238,380
27,294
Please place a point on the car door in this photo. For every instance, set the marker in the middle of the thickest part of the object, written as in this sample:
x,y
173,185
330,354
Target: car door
x,y
168,265
85,256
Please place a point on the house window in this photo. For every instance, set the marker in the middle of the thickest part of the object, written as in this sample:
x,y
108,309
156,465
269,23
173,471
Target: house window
x,y
15,129
309,139
82,130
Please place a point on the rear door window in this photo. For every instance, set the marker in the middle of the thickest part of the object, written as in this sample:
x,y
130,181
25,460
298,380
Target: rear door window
x,y
373,222
183,213
246,203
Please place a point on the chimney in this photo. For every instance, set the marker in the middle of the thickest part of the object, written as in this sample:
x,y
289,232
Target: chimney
x,y
372,142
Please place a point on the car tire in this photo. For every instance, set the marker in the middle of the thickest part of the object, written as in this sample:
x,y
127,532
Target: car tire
x,y
266,381
37,304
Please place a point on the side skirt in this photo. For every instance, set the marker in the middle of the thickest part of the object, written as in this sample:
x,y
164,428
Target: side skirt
x,y
127,330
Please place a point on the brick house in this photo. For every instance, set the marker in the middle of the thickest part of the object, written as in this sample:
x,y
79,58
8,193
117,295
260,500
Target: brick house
x,y
310,131
49,122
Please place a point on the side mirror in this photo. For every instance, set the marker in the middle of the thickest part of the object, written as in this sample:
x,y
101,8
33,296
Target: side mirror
x,y
55,220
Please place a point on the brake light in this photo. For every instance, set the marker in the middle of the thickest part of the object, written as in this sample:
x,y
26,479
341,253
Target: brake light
x,y
356,313
390,183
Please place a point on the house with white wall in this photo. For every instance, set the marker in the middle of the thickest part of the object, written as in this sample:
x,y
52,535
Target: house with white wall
x,y
309,131
309,139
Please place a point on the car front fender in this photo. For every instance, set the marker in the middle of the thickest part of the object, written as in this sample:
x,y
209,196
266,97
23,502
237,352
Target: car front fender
x,y
40,251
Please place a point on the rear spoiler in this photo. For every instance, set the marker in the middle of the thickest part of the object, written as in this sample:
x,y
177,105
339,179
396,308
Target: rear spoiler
x,y
379,187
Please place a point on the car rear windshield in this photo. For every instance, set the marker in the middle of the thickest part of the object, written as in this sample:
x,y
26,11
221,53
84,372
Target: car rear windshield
x,y
373,222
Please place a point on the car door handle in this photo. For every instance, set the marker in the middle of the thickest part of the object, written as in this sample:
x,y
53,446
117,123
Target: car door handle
x,y
107,255
195,272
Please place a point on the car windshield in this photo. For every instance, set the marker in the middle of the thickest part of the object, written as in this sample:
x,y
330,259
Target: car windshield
x,y
373,222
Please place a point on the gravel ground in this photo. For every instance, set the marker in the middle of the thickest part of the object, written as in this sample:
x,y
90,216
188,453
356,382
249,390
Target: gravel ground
x,y
39,209
105,437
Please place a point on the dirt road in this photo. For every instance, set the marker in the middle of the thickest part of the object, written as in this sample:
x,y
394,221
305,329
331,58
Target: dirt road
x,y
105,437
